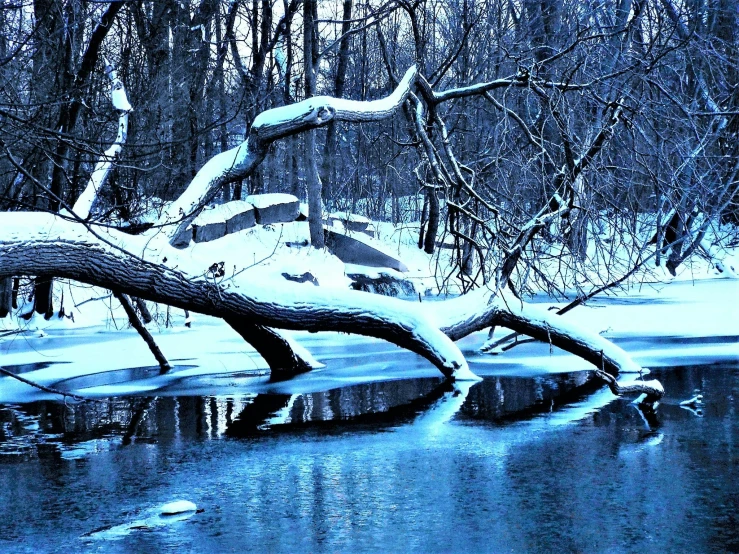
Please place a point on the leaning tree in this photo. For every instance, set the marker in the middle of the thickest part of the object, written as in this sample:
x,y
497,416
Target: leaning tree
x,y
523,125
153,265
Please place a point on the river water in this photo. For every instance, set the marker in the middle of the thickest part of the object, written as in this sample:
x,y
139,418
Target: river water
x,y
375,452
545,463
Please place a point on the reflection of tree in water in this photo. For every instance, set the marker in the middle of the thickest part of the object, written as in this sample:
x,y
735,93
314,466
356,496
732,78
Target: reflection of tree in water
x,y
48,428
500,399
45,427
384,404
391,403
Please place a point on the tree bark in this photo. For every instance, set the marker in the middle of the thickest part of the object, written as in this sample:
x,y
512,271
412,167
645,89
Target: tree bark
x,y
277,351
143,310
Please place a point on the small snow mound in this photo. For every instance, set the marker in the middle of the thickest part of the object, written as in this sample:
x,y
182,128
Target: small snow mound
x,y
270,199
178,507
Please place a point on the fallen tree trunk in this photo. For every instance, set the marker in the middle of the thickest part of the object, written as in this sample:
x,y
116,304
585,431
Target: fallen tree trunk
x,y
35,243
487,307
39,244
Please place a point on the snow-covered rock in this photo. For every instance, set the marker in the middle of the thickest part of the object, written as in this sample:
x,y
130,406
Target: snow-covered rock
x,y
361,250
274,208
351,222
219,221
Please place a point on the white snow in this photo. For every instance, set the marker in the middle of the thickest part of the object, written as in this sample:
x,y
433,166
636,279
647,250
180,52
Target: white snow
x,y
222,212
270,199
177,507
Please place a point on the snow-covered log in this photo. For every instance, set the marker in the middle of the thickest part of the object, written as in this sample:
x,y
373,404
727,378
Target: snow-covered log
x,y
486,307
652,391
34,243
40,244
269,126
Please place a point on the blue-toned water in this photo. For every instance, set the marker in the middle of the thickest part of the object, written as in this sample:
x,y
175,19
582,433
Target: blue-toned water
x,y
543,463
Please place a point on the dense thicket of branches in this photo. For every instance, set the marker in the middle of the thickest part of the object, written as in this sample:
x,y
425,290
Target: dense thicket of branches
x,y
199,72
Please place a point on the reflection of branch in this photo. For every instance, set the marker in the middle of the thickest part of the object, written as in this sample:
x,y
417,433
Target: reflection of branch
x,y
253,418
652,390
138,416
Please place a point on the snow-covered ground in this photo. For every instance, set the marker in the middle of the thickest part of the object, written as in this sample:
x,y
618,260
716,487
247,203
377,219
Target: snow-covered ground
x,y
658,319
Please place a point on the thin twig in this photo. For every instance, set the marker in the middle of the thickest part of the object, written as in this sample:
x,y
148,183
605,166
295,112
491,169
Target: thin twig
x,y
45,388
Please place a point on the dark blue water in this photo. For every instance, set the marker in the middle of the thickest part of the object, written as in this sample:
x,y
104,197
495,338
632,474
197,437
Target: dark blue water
x,y
548,463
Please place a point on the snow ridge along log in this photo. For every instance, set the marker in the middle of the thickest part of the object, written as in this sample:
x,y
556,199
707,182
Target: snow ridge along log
x,y
36,243
277,123
483,308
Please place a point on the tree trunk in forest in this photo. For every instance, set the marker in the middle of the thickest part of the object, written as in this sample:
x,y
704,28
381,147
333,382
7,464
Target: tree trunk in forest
x,y
315,193
16,287
432,229
422,226
328,171
6,296
43,296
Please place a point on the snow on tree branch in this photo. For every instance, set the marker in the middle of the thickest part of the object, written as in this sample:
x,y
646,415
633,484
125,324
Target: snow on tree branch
x,y
272,125
102,169
36,243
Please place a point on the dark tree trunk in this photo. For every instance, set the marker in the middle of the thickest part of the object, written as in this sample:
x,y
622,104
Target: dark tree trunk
x,y
429,243
6,296
315,194
43,296
328,171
